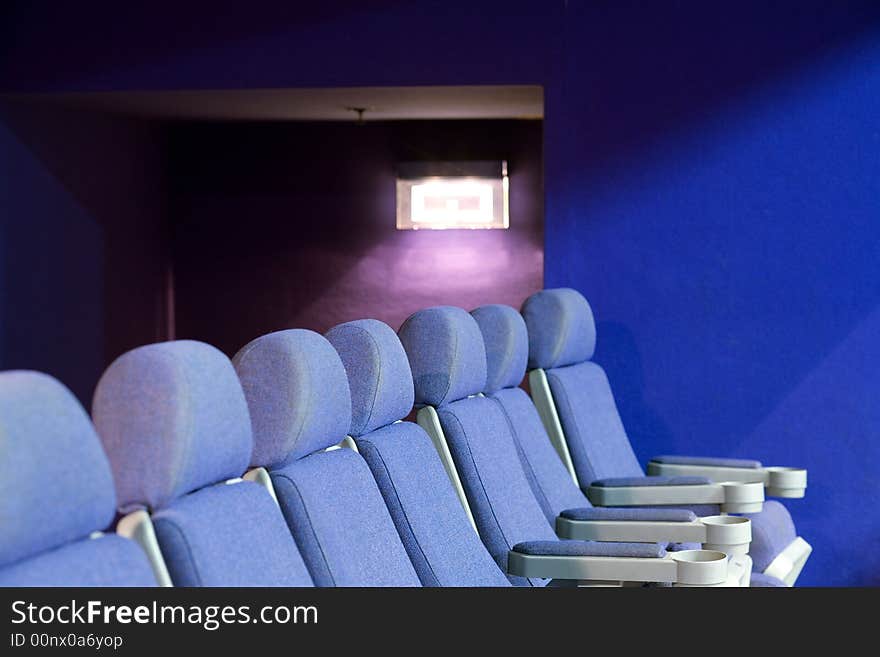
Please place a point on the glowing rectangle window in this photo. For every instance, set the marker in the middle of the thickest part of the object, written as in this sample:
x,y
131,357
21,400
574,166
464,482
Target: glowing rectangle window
x,y
452,199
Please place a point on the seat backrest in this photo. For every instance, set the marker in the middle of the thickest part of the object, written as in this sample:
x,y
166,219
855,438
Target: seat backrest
x,y
507,350
56,490
562,340
433,525
175,425
448,362
297,391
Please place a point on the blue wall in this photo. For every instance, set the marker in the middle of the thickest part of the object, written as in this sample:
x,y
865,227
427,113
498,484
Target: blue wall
x,y
718,201
711,182
82,254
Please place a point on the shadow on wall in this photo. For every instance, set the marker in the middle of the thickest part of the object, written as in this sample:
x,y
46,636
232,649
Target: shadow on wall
x,y
293,225
617,350
83,253
51,302
719,205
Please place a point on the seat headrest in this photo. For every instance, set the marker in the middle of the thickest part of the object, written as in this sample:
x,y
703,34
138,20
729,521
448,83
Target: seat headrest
x,y
55,482
297,392
446,354
561,328
378,373
173,419
507,345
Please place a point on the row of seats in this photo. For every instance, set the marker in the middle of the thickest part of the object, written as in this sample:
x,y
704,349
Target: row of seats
x,y
292,465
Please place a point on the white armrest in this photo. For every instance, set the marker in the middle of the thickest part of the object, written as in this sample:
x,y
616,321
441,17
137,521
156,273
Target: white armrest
x,y
734,497
729,534
779,481
685,568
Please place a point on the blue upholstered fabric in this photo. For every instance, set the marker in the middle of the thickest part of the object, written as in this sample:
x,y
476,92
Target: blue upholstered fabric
x,y
708,460
175,422
446,354
435,530
55,482
772,531
638,482
339,520
172,418
652,514
109,560
378,373
561,328
596,439
551,483
760,580
681,547
561,341
228,535
297,392
571,548
507,345
501,499
699,510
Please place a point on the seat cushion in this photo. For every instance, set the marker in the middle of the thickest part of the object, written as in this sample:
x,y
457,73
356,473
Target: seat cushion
x,y
500,497
640,482
708,460
172,418
551,482
297,394
596,439
55,481
772,531
630,514
561,328
446,354
337,515
229,535
572,548
108,560
760,580
507,345
378,373
441,543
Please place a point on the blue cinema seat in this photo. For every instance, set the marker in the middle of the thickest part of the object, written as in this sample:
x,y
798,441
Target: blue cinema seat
x,y
56,493
175,425
507,350
434,526
447,358
297,391
562,339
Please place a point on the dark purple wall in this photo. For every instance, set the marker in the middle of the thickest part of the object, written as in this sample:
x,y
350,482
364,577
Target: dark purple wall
x,y
293,225
82,241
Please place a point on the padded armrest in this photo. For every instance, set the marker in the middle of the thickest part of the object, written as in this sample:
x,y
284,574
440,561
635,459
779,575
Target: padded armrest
x,y
779,481
590,549
591,561
614,482
629,514
708,460
729,534
734,497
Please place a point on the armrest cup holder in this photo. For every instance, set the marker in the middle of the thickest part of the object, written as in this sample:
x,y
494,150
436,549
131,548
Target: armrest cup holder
x,y
728,534
786,482
700,567
742,496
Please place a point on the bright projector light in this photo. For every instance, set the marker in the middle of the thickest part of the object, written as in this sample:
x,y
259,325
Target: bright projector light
x,y
453,201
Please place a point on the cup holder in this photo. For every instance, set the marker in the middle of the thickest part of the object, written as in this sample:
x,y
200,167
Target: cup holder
x,y
728,534
742,496
786,482
700,567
